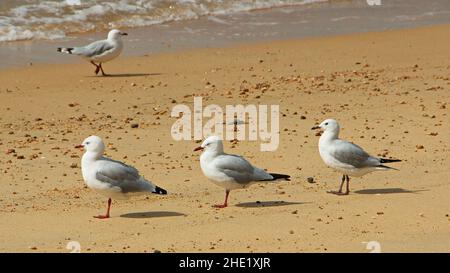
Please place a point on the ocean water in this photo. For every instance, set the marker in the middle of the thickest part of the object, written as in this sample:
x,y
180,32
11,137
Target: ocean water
x,y
55,19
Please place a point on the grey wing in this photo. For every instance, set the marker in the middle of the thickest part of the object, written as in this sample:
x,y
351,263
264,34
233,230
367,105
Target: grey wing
x,y
94,49
351,154
118,174
236,167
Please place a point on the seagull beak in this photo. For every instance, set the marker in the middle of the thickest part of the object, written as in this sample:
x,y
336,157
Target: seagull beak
x,y
199,148
81,146
124,33
315,128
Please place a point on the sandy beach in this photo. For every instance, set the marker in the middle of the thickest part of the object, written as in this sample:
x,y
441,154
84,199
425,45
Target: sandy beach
x,y
389,90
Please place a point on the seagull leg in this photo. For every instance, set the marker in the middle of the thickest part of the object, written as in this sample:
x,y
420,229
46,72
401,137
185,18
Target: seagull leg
x,y
347,191
339,192
103,72
97,68
225,204
107,212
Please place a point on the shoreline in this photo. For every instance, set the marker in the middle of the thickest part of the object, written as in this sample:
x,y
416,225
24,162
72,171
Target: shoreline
x,y
286,23
79,62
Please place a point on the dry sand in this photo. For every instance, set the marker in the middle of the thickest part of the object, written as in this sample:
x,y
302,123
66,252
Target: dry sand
x,y
389,90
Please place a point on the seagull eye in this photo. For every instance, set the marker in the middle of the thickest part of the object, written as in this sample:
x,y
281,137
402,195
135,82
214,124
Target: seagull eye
x,y
87,143
326,123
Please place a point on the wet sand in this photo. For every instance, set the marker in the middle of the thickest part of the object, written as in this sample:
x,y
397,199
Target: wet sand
x,y
389,90
331,18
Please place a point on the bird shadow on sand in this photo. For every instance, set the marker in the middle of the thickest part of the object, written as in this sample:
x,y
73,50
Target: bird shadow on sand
x,y
152,214
259,204
126,75
387,191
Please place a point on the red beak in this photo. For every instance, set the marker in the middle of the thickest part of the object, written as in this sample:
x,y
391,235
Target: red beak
x,y
199,148
79,146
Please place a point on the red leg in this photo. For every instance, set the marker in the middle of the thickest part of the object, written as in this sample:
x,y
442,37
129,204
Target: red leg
x,y
101,68
339,192
97,68
225,204
107,212
348,186
345,177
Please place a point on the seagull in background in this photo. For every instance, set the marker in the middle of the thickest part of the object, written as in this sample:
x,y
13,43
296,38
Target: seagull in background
x,y
346,157
100,51
230,171
111,178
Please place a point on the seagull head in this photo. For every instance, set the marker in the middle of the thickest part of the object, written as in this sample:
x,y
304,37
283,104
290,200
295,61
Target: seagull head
x,y
212,143
115,34
328,125
93,144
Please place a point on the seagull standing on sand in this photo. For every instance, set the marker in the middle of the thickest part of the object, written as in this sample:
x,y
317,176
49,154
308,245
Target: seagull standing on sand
x,y
111,178
230,171
346,157
100,51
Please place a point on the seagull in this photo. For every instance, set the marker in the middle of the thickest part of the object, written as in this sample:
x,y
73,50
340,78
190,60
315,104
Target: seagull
x,y
230,171
111,178
346,157
100,51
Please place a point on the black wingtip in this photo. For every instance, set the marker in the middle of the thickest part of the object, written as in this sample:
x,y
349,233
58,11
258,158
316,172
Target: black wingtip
x,y
277,176
159,190
65,50
387,160
387,167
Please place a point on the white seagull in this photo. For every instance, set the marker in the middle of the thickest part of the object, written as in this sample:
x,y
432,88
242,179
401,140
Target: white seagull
x,y
230,171
346,157
100,51
111,178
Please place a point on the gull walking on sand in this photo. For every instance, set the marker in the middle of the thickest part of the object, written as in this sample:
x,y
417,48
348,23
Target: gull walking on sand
x,y
111,178
346,157
230,171
100,51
